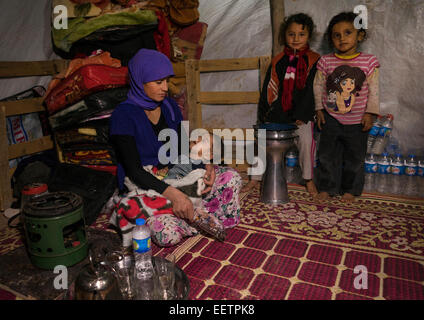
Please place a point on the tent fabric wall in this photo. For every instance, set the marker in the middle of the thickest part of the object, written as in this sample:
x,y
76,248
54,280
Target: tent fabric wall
x,y
237,29
396,36
25,27
242,28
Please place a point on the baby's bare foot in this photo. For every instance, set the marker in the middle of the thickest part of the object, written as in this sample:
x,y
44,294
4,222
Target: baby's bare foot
x,y
323,196
311,188
349,198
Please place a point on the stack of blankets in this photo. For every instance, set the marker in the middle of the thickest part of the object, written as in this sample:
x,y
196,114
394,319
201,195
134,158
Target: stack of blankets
x,y
110,26
79,102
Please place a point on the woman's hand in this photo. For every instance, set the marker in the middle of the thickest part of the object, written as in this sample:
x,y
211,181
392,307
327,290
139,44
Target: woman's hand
x,y
181,204
299,123
209,177
367,122
320,119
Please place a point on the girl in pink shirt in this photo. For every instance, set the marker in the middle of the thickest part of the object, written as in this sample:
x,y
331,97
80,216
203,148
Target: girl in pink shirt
x,y
346,98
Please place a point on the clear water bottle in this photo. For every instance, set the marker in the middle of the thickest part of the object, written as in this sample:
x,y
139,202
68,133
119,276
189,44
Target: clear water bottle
x,y
398,171
143,271
398,165
421,177
383,180
411,173
370,164
372,136
292,167
411,166
421,167
370,172
386,126
383,135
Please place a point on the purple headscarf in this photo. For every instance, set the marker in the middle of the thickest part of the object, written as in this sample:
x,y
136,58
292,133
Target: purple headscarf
x,y
146,66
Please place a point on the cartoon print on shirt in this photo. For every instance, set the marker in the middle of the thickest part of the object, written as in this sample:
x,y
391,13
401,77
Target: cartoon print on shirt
x,y
343,86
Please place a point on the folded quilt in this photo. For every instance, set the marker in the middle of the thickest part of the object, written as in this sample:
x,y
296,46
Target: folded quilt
x,y
78,8
110,169
188,42
95,104
94,8
79,27
100,57
88,155
85,81
66,138
123,42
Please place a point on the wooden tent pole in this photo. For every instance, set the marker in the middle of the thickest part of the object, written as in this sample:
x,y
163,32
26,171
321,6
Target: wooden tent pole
x,y
277,17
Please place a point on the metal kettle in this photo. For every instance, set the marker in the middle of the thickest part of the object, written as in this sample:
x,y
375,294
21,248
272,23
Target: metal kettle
x,y
96,282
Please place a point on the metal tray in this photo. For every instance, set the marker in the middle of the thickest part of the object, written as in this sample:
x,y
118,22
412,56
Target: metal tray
x,y
182,285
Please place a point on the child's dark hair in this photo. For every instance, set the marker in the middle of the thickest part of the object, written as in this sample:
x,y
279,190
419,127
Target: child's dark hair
x,y
342,17
344,72
300,18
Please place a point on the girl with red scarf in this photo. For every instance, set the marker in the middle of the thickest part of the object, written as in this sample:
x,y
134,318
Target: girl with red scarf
x,y
287,95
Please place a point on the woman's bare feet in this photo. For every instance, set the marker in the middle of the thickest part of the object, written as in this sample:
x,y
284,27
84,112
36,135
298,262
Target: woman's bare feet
x,y
323,196
347,197
250,185
311,188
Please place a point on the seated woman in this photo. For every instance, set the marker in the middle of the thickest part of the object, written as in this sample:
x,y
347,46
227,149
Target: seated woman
x,y
134,128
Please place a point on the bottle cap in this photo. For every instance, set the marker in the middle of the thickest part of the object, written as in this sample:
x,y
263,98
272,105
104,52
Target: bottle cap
x,y
140,222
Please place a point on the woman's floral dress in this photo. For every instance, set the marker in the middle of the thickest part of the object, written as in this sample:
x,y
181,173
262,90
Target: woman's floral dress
x,y
222,203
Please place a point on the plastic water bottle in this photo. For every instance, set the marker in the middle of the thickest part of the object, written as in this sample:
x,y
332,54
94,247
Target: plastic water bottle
x,y
411,172
372,136
292,168
386,126
398,165
143,271
292,159
411,166
398,171
421,167
421,177
370,172
383,167
383,135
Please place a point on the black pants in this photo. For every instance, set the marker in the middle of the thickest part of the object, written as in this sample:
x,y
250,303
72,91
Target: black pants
x,y
342,152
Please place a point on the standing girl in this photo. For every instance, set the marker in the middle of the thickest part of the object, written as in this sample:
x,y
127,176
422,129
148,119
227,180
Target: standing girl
x,y
346,91
287,94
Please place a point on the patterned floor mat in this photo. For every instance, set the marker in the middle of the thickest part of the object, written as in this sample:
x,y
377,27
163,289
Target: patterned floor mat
x,y
372,249
303,250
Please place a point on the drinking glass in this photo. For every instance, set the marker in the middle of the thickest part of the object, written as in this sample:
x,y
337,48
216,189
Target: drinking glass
x,y
122,267
165,277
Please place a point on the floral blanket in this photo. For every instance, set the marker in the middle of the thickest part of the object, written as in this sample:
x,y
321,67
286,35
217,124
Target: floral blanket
x,y
166,228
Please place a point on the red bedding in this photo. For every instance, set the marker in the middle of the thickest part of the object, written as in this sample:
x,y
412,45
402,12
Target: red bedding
x,y
83,82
